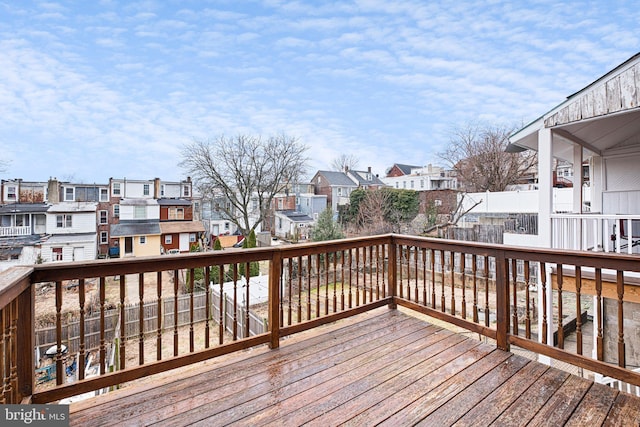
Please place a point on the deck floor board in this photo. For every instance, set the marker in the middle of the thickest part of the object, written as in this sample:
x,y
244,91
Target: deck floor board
x,y
382,367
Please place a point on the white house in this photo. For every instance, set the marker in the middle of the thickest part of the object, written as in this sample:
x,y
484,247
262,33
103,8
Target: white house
x,y
71,227
292,225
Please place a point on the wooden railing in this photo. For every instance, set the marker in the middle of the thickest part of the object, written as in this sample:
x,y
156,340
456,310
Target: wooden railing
x,y
512,295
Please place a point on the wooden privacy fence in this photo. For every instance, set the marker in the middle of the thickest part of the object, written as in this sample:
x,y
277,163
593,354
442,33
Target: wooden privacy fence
x,y
46,336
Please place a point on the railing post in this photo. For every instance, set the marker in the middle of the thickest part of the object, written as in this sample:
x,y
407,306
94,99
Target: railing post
x,y
275,271
26,343
392,272
502,301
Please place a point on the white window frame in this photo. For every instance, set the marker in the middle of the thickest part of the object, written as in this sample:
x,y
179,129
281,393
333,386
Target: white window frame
x,y
140,212
69,191
192,237
104,237
185,190
104,195
116,189
176,213
64,221
145,189
12,192
168,239
103,217
142,240
116,211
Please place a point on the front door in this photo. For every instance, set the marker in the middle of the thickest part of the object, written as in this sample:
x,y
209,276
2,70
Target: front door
x,y
128,245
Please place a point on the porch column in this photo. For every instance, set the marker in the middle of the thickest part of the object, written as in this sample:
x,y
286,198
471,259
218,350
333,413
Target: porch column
x,y
577,179
545,208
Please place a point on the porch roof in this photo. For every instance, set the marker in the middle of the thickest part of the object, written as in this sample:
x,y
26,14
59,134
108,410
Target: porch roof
x,y
603,116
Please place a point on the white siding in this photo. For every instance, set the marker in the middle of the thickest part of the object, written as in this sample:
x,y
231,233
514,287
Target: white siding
x,y
82,222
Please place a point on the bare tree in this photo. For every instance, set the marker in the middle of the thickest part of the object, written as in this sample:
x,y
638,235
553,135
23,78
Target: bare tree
x,y
344,161
477,154
372,213
245,171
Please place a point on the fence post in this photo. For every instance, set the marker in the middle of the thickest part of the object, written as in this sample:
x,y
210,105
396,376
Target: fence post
x,y
275,270
26,342
502,301
392,272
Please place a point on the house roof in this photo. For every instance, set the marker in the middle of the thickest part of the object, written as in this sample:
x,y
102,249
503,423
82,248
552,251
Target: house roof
x,y
406,169
181,227
73,207
337,178
61,239
174,202
295,216
24,208
603,116
134,228
361,178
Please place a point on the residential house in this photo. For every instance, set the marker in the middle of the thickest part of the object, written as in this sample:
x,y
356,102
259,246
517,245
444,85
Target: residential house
x,y
421,178
19,191
22,228
179,231
292,225
71,227
337,186
311,204
599,124
137,232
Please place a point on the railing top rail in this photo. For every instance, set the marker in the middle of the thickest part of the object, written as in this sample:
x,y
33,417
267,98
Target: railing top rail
x,y
594,216
13,282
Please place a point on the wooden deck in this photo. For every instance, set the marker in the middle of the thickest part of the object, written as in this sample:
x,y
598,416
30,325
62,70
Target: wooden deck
x,y
382,367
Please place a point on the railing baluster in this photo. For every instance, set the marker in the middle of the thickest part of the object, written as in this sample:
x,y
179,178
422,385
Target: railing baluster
x,y
59,366
442,275
464,287
384,272
620,290
527,319
247,297
192,273
578,310
599,335
122,347
514,278
159,305
103,347
487,317
342,259
371,293
452,266
309,287
299,305
357,276
378,247
543,281
317,285
474,271
81,350
5,354
559,278
424,276
335,281
432,260
235,303
175,312
13,309
289,289
141,318
221,305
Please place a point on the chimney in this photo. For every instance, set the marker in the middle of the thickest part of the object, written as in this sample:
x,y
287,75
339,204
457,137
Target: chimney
x,y
53,193
156,188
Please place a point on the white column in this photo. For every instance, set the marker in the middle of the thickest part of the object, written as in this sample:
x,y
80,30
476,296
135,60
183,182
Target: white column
x,y
545,206
577,178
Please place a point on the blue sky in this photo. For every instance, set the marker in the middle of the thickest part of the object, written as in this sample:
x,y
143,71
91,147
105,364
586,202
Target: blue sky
x,y
99,89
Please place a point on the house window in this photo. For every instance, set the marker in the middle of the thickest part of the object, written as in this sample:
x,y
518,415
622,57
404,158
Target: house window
x,y
143,240
140,212
397,185
104,195
404,184
280,204
11,193
339,191
56,254
192,237
63,221
185,191
145,189
116,211
411,183
104,219
176,213
168,239
226,226
422,183
104,237
116,188
162,190
437,202
68,194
